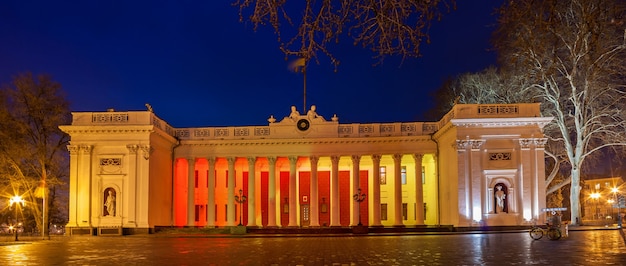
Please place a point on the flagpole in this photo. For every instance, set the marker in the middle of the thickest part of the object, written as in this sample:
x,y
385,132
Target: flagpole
x,y
304,85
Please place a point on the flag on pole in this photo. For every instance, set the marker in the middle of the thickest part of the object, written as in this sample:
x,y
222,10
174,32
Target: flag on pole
x,y
297,65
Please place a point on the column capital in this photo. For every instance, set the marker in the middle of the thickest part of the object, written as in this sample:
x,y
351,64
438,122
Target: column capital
x,y
231,160
251,160
132,148
356,158
314,159
210,159
334,159
376,158
86,149
147,150
418,157
73,149
271,160
293,159
397,157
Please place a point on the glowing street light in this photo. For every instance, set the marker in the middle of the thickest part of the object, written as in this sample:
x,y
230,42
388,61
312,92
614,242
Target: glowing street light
x,y
17,200
616,197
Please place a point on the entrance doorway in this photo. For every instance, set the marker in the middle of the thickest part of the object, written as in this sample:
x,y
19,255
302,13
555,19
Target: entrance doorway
x,y
304,215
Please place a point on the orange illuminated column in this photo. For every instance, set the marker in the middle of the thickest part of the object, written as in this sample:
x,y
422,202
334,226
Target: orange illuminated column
x,y
292,191
314,199
230,209
356,159
191,170
211,192
251,192
271,188
180,195
334,192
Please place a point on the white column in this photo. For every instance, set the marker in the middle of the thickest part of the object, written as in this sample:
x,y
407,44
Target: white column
x,y
356,159
375,198
314,207
419,190
191,170
210,223
293,192
271,191
334,192
251,193
230,219
73,218
397,188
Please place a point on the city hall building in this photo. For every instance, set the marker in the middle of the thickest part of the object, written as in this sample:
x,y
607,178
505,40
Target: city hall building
x,y
480,165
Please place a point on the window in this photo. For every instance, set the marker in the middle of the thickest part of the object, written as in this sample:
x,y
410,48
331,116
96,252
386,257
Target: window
x,y
597,185
383,211
383,175
196,178
403,175
405,211
423,175
197,214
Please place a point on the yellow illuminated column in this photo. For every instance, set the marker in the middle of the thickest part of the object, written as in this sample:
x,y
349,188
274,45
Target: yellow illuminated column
x,y
73,219
271,193
315,221
375,198
191,170
210,223
334,192
397,188
419,190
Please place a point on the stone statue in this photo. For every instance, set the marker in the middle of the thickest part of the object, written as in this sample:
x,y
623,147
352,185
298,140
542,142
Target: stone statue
x,y
312,114
500,197
109,203
294,113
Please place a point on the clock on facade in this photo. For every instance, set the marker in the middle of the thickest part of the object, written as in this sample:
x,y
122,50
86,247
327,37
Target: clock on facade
x,y
303,124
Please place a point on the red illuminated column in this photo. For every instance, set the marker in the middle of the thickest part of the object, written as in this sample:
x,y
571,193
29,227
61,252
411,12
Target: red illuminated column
x,y
334,192
271,193
419,190
356,159
191,189
376,191
293,194
397,188
230,219
315,220
211,193
251,195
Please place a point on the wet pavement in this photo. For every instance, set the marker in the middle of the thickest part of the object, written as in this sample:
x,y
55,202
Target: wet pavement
x,y
588,247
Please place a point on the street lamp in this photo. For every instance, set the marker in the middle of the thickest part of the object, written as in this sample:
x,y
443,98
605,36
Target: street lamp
x,y
595,196
616,196
359,197
240,199
17,200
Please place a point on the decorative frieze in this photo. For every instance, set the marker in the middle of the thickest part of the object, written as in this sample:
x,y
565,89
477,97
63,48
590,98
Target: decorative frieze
x,y
474,144
261,131
111,165
498,109
103,118
387,129
221,132
366,129
500,156
202,133
242,132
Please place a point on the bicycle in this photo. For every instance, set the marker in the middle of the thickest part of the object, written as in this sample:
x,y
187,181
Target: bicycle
x,y
553,232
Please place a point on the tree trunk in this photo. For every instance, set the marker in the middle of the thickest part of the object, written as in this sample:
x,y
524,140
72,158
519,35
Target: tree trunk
x,y
575,197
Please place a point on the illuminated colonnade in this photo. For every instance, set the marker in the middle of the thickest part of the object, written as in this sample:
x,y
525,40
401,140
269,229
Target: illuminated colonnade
x,y
131,172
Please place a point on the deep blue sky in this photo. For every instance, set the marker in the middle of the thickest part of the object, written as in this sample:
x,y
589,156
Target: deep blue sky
x,y
197,65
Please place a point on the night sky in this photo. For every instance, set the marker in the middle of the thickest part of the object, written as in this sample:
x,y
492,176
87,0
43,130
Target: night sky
x,y
197,65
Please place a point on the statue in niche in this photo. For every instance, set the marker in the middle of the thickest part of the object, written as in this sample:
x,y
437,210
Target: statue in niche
x,y
109,202
500,197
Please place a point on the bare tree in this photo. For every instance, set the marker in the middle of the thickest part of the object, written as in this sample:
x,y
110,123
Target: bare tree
x,y
574,52
386,27
31,144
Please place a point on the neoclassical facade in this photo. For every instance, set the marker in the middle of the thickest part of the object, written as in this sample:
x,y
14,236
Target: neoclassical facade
x,y
131,172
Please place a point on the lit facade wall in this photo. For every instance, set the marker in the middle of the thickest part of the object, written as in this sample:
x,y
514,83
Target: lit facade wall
x,y
304,170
